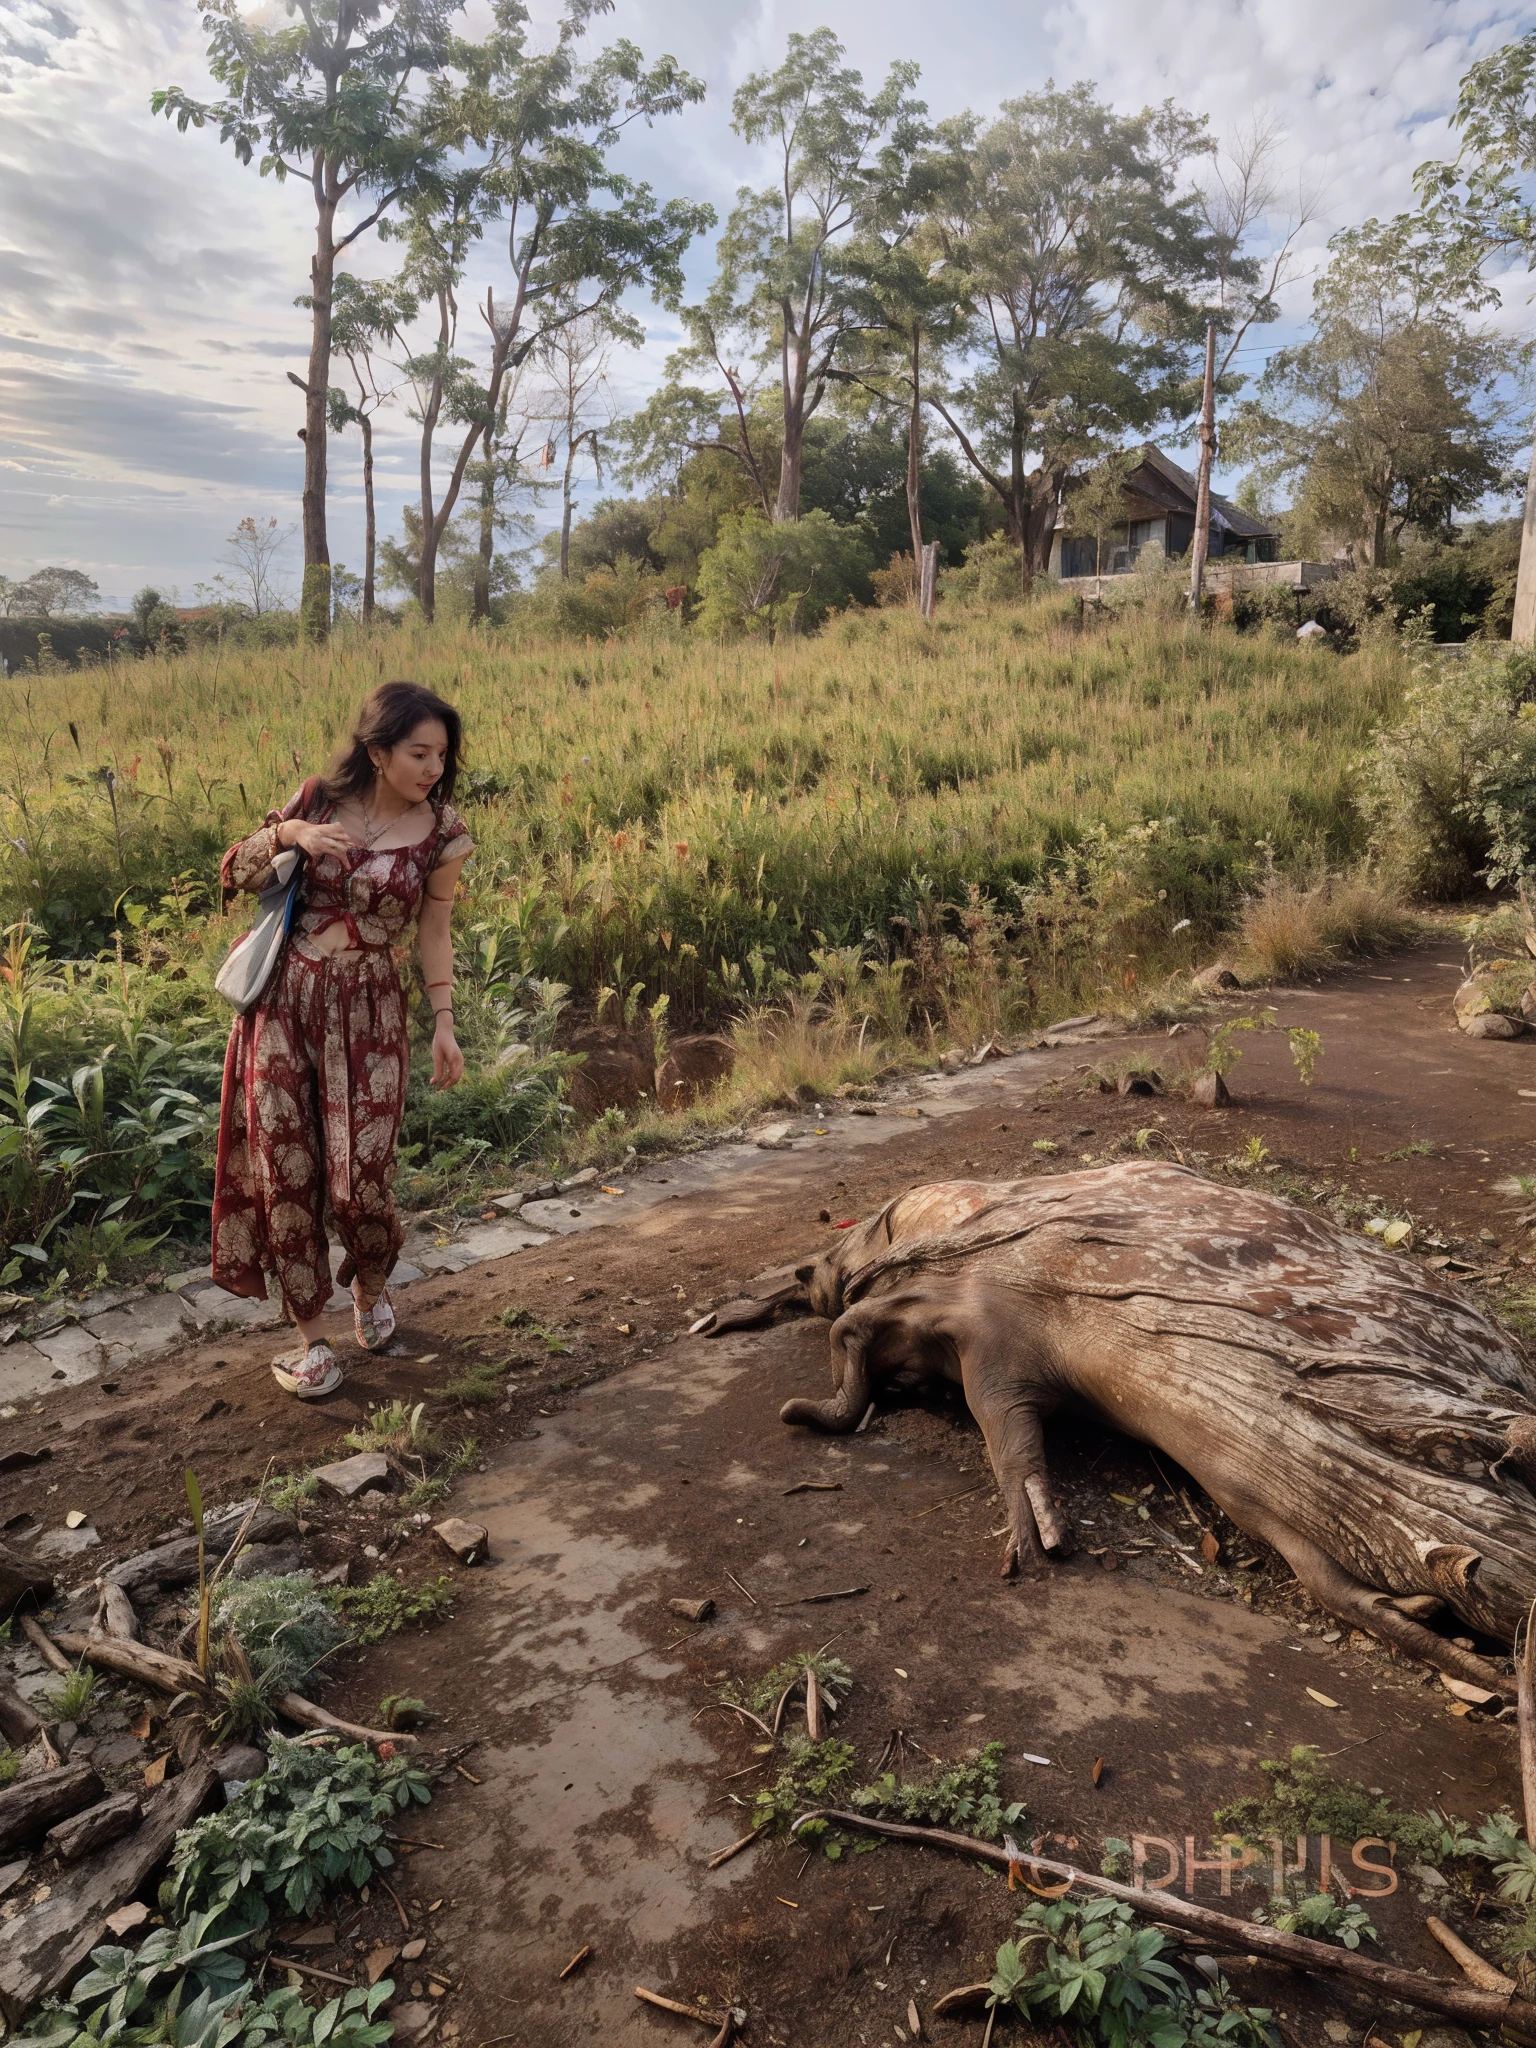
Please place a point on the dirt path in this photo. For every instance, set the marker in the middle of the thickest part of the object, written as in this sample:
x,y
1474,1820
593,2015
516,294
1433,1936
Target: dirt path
x,y
659,1468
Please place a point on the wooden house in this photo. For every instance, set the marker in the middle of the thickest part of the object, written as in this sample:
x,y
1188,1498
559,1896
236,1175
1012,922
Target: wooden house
x,y
1160,513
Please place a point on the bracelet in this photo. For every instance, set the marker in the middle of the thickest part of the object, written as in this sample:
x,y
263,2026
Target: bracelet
x,y
445,1011
439,984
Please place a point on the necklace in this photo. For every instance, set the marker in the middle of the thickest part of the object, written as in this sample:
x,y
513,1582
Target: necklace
x,y
373,833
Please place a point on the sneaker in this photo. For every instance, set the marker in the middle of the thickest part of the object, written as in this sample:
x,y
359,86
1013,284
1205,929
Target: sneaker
x,y
374,1326
312,1374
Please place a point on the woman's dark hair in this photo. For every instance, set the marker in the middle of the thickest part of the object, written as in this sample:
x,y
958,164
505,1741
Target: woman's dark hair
x,y
390,714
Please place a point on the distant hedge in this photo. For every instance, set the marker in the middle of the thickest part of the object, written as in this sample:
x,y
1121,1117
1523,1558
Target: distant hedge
x,y
71,640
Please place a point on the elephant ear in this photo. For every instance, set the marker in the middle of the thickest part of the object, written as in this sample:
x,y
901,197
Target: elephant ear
x,y
751,1312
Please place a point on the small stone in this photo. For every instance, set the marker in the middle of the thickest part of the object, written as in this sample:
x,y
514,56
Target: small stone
x,y
412,2016
691,1610
1209,981
352,1476
585,1179
417,1987
238,1762
1492,1024
126,1918
413,1950
470,1542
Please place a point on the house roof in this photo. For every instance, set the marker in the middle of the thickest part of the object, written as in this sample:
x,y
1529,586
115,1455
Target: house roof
x,y
1158,478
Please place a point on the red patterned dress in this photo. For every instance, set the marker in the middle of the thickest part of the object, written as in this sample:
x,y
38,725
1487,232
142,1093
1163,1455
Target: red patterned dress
x,y
314,1079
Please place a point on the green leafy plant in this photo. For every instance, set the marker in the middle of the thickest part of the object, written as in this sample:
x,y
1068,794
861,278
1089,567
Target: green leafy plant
x,y
812,1774
288,1491
1305,1798
1094,1967
315,1818
1224,1052
965,1796
1321,1915
832,1676
384,1605
10,1764
70,1700
394,1427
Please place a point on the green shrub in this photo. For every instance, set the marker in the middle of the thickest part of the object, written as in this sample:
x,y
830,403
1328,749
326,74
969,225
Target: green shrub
x,y
779,580
1319,1915
384,1605
990,574
285,1625
1095,1966
1451,788
316,1817
963,1795
1305,1798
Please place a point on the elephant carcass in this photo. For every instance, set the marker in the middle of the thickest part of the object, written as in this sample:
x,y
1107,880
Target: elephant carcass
x,y
1336,1400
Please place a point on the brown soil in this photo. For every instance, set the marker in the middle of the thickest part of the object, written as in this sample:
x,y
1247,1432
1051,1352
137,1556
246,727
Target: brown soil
x,y
632,1468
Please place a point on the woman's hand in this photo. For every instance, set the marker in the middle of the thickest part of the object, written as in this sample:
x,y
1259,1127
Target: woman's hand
x,y
447,1060
315,839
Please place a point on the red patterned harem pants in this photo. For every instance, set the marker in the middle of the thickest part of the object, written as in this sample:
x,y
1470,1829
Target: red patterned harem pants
x,y
314,1087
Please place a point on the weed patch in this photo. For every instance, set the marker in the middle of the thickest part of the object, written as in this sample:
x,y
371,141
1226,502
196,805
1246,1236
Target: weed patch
x,y
384,1606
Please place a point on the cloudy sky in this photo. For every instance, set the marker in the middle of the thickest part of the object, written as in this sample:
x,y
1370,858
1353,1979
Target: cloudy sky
x,y
147,279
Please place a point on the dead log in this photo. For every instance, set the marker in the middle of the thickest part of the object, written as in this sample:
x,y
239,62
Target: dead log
x,y
32,1805
18,1722
95,1827
160,1669
1475,1968
44,1947
1464,2002
115,1615
1338,1401
1526,1697
175,1564
20,1579
152,1667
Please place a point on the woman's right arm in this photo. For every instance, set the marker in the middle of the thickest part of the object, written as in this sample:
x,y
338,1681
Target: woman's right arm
x,y
248,865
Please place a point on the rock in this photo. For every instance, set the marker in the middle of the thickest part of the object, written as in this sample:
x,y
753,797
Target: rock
x,y
64,1543
19,1578
1492,1024
267,1560
1213,980
1427,1878
691,1610
126,1918
98,1824
587,1178
469,1541
411,2017
352,1476
693,1067
1210,1091
238,1762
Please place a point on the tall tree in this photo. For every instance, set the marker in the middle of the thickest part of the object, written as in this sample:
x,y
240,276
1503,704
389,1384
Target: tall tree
x,y
573,360
1486,200
365,314
1390,415
328,100
782,288
1076,242
533,131
1235,198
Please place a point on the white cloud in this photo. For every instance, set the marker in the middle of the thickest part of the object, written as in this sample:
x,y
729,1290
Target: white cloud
x,y
147,279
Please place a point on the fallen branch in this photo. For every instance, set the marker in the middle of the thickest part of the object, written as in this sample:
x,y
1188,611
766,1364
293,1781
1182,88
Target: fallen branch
x,y
735,1849
43,1643
689,2012
18,1721
1525,1681
294,1707
1457,2001
821,1599
815,1486
312,1970
1475,1968
115,1614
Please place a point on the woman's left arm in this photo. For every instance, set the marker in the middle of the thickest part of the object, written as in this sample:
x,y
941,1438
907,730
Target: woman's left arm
x,y
435,942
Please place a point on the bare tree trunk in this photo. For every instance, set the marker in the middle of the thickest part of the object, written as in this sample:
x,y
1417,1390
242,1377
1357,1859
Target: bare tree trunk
x,y
315,604
482,601
431,526
370,524
565,506
928,579
1523,631
1199,546
915,464
1020,506
787,506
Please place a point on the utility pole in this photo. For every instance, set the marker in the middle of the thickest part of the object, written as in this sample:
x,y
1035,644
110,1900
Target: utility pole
x,y
1523,631
1199,546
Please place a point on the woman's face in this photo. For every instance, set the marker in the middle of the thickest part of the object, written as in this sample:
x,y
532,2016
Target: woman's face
x,y
412,766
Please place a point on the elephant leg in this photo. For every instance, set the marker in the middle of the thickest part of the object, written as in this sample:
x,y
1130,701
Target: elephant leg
x,y
852,1336
1010,1423
1331,1586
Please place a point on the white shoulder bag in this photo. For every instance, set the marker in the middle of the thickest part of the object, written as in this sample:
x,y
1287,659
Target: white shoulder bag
x,y
252,960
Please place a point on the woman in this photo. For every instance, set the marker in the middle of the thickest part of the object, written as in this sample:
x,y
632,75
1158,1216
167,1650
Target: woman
x,y
314,1080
